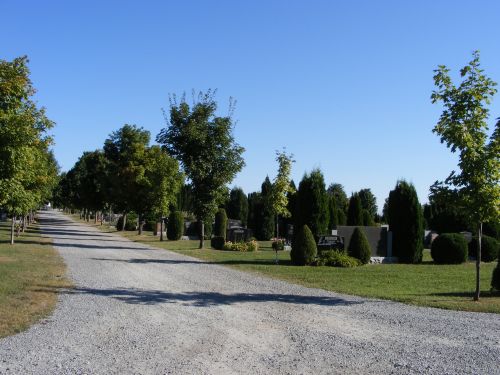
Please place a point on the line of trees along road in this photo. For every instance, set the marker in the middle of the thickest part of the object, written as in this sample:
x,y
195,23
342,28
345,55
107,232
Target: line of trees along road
x,y
28,169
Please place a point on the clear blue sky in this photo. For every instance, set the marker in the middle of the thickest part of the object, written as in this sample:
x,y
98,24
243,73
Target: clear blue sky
x,y
344,85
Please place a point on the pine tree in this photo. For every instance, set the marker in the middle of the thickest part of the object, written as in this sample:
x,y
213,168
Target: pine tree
x,y
355,211
359,247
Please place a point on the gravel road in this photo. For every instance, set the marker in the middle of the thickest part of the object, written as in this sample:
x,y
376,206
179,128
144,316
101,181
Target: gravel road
x,y
138,310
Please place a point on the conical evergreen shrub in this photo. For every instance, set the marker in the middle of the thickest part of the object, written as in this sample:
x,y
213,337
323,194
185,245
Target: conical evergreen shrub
x,y
355,211
175,226
220,223
359,247
304,248
495,280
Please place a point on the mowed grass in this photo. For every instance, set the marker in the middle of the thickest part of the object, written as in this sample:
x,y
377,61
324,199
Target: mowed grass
x,y
31,272
426,284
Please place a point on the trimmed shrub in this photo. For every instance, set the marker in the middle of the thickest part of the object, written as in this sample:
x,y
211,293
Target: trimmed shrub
x,y
335,258
359,247
449,248
304,248
130,224
406,222
175,226
220,223
489,248
217,242
252,246
208,229
495,280
278,245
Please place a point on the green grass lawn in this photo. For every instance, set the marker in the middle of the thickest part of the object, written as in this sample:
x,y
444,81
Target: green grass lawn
x,y
426,284
31,271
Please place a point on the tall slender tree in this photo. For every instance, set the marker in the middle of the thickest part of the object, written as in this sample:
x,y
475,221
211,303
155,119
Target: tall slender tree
x,y
463,127
282,187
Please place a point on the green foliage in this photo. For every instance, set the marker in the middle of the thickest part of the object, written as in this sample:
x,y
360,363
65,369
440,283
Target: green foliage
x,y
220,223
495,279
278,245
463,127
335,258
281,185
449,248
368,219
265,230
217,242
342,219
333,218
130,223
368,202
312,204
28,170
359,247
489,248
204,145
175,226
304,248
237,206
338,193
355,211
241,246
406,223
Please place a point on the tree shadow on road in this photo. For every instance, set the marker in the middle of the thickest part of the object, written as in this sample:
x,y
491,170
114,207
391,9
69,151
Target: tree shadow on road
x,y
207,299
269,262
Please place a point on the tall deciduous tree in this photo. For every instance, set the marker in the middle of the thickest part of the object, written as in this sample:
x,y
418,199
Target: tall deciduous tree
x,y
282,187
463,127
26,164
368,202
126,150
204,144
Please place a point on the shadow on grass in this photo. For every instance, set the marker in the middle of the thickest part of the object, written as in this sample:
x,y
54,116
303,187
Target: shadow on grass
x,y
207,299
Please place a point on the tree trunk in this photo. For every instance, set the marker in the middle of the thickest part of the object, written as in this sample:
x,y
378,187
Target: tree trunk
x,y
478,263
140,224
277,226
161,229
102,217
124,221
12,226
95,217
202,234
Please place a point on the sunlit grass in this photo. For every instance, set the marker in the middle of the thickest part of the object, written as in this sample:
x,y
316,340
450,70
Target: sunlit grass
x,y
31,271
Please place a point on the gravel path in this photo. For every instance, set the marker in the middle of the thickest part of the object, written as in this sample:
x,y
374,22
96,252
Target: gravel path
x,y
137,310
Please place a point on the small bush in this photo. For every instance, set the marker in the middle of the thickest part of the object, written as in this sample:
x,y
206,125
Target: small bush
x,y
217,242
359,247
130,224
304,248
495,280
449,248
489,248
252,246
175,226
335,258
220,223
278,244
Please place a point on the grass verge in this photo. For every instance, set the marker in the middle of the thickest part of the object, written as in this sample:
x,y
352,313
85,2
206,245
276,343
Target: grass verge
x,y
30,272
426,284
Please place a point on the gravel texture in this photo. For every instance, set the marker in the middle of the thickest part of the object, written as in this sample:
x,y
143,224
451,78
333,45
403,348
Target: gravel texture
x,y
138,310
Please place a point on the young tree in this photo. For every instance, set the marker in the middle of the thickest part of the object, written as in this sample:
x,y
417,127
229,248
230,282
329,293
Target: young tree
x,y
237,206
282,187
406,222
204,145
355,211
463,127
